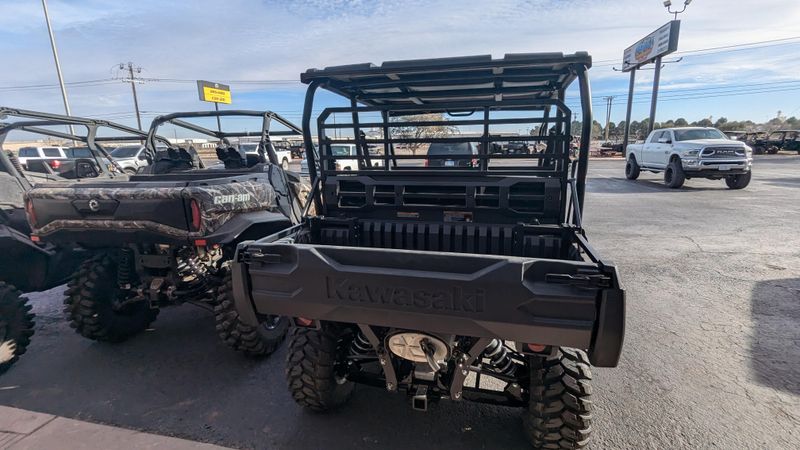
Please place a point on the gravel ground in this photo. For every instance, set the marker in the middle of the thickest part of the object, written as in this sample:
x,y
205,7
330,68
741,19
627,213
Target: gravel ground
x,y
711,358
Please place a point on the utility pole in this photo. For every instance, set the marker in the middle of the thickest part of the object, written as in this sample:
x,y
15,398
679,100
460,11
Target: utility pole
x,y
132,80
58,64
608,100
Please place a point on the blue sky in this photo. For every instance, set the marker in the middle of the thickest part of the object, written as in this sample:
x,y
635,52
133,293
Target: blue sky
x,y
271,42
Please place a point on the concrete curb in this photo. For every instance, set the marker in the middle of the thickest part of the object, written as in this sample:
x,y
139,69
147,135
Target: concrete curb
x,y
21,429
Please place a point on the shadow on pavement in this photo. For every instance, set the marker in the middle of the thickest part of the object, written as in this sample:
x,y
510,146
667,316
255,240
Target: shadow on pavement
x,y
179,380
783,182
775,346
621,185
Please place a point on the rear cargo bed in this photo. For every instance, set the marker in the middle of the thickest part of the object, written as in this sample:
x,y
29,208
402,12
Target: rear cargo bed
x,y
525,299
147,208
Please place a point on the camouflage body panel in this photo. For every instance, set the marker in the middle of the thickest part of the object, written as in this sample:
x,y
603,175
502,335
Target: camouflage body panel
x,y
218,202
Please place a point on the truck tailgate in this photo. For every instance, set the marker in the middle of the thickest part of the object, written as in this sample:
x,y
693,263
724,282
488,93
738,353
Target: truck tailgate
x,y
528,300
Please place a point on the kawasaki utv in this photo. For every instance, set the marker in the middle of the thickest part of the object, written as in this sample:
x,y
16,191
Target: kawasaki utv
x,y
26,265
445,281
166,235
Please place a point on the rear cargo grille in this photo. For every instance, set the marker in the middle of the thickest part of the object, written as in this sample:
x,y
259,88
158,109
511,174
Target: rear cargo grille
x,y
438,237
527,197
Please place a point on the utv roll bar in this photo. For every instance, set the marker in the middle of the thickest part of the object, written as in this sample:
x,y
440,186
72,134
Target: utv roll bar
x,y
455,86
264,134
38,120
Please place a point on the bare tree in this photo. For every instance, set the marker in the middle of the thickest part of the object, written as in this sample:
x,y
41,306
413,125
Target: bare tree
x,y
421,132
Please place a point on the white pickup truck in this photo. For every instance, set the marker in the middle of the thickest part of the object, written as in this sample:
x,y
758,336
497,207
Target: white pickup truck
x,y
284,155
691,152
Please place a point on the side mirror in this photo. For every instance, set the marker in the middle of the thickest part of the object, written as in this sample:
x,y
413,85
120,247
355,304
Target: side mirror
x,y
142,157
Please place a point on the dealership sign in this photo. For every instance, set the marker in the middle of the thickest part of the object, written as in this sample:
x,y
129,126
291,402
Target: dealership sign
x,y
661,42
214,92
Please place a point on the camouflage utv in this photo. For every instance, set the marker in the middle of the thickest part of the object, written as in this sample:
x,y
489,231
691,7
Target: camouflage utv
x,y
46,265
166,235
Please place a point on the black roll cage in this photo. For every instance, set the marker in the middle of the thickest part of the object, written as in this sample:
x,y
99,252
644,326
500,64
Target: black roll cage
x,y
265,147
91,138
454,86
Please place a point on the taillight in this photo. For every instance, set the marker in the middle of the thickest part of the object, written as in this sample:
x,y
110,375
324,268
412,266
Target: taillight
x,y
195,209
31,213
427,162
55,164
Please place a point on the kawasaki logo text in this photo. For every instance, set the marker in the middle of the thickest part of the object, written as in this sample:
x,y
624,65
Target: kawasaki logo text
x,y
452,299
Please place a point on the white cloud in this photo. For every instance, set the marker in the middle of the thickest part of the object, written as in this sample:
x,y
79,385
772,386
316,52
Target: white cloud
x,y
278,39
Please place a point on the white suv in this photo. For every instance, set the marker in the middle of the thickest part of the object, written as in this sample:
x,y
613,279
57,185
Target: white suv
x,y
26,153
691,152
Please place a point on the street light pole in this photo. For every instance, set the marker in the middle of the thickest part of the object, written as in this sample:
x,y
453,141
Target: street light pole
x,y
668,5
58,63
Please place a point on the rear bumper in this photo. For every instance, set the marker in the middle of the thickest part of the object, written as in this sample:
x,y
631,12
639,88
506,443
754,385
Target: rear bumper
x,y
106,233
527,300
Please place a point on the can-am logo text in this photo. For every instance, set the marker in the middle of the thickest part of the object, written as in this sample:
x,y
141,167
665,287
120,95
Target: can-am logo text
x,y
452,299
232,198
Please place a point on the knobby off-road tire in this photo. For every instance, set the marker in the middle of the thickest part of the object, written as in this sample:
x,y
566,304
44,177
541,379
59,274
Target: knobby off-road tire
x,y
311,368
738,181
632,169
258,341
674,177
90,300
559,412
16,325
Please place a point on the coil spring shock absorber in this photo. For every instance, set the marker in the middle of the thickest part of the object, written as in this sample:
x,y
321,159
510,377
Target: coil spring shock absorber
x,y
498,356
360,345
124,268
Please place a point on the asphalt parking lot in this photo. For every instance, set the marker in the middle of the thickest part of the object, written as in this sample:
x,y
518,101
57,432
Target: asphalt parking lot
x,y
711,359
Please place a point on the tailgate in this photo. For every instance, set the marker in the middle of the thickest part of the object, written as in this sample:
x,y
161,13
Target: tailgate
x,y
528,300
113,207
130,211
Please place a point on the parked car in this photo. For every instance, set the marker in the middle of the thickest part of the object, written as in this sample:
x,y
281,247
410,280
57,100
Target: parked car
x,y
346,157
78,162
691,152
132,157
455,154
49,152
283,153
518,147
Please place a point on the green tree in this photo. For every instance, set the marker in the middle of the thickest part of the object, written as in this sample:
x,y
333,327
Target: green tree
x,y
422,133
681,122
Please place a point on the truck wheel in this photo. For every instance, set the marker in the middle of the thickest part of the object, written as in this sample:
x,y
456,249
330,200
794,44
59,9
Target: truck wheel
x,y
559,414
673,175
258,341
16,325
285,164
632,169
738,181
311,368
92,305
